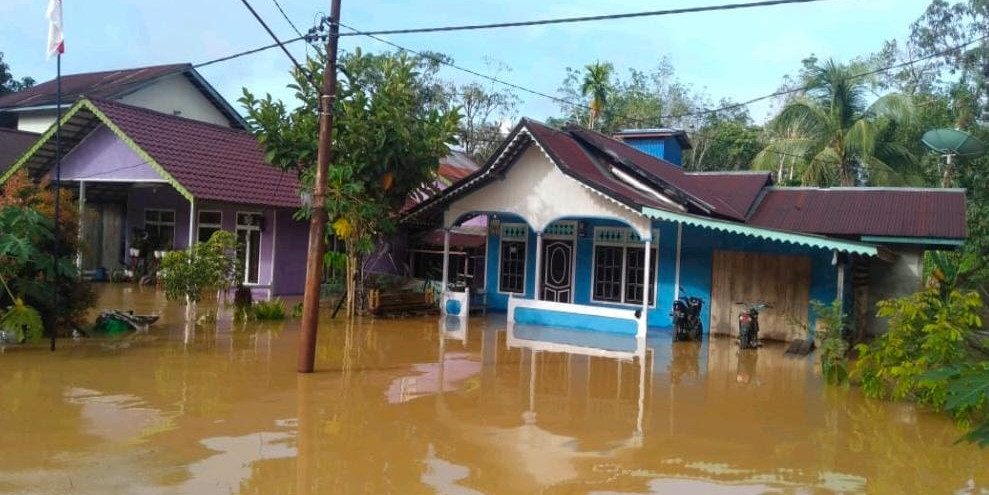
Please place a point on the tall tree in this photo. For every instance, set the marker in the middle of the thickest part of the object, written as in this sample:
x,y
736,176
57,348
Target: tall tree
x,y
724,141
10,84
596,86
483,111
835,135
391,126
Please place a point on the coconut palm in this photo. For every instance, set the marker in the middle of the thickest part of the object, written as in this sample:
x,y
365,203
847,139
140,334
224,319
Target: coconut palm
x,y
597,85
831,134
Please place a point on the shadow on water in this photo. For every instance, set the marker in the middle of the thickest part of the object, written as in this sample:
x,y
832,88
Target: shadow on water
x,y
446,406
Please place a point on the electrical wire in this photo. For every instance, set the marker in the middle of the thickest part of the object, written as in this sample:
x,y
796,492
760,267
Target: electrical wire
x,y
607,17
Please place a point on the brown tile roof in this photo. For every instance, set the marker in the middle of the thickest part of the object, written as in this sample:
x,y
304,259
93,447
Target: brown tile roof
x,y
852,212
106,84
212,162
13,144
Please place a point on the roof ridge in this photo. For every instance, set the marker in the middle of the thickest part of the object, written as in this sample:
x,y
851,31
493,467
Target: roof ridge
x,y
184,65
184,120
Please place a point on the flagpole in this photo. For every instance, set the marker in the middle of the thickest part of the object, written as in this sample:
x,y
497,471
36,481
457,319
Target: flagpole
x,y
58,192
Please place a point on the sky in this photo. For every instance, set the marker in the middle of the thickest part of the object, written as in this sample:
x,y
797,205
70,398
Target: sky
x,y
738,54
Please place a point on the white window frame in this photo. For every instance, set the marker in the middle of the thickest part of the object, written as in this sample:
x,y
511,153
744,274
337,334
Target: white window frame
x,y
247,252
626,241
200,224
159,223
525,260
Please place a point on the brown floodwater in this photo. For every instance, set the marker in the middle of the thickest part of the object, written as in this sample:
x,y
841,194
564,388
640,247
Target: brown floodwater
x,y
422,405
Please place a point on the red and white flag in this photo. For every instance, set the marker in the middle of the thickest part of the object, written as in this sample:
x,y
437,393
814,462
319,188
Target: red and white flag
x,y
56,41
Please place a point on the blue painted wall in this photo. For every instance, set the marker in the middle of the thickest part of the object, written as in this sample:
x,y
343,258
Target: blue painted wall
x,y
696,266
666,148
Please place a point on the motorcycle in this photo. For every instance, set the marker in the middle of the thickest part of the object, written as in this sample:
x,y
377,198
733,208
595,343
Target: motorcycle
x,y
687,318
748,324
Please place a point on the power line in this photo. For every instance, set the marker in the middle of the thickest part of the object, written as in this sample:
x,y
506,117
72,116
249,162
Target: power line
x,y
287,19
274,37
607,17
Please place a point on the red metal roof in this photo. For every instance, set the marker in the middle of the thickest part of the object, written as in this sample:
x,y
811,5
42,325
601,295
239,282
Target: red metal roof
x,y
13,144
105,84
927,213
212,162
739,189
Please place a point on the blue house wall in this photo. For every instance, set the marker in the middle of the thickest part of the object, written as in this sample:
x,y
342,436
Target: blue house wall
x,y
697,254
667,148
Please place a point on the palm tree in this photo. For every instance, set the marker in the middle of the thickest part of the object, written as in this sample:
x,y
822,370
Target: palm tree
x,y
832,135
597,85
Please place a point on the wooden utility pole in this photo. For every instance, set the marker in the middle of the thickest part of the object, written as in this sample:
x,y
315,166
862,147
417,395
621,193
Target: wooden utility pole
x,y
317,222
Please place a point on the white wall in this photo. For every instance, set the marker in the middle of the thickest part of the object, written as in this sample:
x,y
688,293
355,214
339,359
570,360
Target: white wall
x,y
35,121
176,94
535,189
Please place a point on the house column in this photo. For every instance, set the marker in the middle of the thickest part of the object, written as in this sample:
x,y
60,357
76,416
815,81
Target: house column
x,y
446,260
192,223
676,272
82,223
537,295
840,296
644,320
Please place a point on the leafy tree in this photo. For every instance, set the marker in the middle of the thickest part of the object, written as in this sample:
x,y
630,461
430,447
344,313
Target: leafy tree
x,y
724,142
834,133
483,109
596,86
391,126
209,266
27,210
10,84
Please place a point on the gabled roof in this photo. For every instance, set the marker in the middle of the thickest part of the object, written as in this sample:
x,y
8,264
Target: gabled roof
x,y
743,201
865,211
112,85
201,160
13,144
593,159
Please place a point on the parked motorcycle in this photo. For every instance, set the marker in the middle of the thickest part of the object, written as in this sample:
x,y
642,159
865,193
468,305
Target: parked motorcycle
x,y
687,318
748,324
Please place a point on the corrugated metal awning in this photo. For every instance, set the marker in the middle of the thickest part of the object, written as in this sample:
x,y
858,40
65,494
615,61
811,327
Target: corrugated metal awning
x,y
809,240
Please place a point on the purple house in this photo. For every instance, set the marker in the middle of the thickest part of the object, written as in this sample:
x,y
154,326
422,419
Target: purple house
x,y
142,174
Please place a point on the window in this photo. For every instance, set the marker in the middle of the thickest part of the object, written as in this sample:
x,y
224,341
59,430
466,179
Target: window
x,y
160,226
511,277
209,222
619,259
249,245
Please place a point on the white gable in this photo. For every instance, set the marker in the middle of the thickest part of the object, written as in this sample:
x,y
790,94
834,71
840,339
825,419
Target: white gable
x,y
176,95
536,190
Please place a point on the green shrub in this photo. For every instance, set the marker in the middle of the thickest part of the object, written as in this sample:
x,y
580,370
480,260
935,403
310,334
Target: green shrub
x,y
269,310
831,324
297,310
927,331
967,393
22,321
208,266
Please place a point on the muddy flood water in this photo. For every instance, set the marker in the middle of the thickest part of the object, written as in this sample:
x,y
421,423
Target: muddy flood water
x,y
408,406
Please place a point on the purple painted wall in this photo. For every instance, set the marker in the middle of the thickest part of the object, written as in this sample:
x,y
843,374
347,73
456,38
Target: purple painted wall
x,y
101,156
163,197
291,244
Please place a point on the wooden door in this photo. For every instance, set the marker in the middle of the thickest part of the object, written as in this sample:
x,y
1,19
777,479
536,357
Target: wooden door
x,y
780,280
557,271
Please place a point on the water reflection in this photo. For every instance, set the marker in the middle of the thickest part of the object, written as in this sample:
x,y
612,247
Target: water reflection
x,y
425,406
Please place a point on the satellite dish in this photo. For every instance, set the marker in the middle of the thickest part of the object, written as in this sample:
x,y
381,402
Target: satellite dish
x,y
951,142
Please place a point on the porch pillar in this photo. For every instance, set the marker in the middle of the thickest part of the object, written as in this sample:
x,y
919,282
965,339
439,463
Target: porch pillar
x,y
644,319
676,272
192,223
446,260
841,277
537,295
82,223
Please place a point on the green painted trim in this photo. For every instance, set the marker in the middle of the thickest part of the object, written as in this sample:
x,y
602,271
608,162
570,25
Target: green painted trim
x,y
913,240
38,144
763,233
85,103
